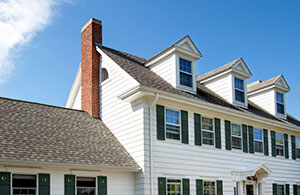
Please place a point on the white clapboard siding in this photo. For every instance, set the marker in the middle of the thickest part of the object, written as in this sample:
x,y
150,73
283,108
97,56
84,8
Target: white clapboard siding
x,y
265,99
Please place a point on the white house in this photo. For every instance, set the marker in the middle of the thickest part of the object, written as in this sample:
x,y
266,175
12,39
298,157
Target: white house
x,y
152,126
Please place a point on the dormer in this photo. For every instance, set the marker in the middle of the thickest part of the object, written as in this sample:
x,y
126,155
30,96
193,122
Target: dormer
x,y
177,64
270,95
229,81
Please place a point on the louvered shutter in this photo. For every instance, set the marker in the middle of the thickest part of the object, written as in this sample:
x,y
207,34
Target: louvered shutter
x,y
228,135
102,185
273,142
286,146
266,142
184,127
295,189
218,133
160,122
44,184
293,141
197,126
287,189
274,188
162,185
199,187
186,186
4,183
219,187
251,139
69,184
245,138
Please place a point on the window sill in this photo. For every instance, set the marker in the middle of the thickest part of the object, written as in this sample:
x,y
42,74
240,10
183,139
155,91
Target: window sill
x,y
186,89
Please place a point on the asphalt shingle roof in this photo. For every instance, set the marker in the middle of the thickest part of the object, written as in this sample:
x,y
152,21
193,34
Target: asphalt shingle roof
x,y
262,84
41,133
135,67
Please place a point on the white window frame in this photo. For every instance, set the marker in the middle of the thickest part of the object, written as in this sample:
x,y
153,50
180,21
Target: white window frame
x,y
96,183
36,181
191,74
171,178
283,153
192,89
213,131
282,103
244,91
206,180
179,125
297,148
281,184
256,140
237,136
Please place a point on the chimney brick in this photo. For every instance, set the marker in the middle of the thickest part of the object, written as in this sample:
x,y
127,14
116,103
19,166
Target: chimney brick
x,y
91,33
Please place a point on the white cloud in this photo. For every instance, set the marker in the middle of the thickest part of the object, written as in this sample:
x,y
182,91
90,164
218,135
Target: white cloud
x,y
20,20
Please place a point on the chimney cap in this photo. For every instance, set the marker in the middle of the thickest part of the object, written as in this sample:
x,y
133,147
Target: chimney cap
x,y
92,20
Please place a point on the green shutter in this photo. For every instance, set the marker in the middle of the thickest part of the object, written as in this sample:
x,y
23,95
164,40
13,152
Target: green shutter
x,y
102,185
199,187
69,184
219,187
44,184
286,145
273,142
218,133
4,183
293,140
197,126
274,188
160,122
295,189
228,135
266,142
186,186
162,185
251,139
184,127
287,189
245,138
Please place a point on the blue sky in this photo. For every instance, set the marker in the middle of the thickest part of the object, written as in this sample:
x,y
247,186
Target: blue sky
x,y
42,66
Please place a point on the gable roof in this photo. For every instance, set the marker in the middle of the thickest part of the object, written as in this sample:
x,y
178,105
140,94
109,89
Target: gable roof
x,y
223,69
257,85
35,133
135,67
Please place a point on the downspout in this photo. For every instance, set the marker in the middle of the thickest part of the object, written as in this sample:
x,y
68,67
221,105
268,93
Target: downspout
x,y
151,144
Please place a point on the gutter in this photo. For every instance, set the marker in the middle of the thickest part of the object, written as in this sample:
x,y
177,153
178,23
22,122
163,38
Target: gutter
x,y
151,143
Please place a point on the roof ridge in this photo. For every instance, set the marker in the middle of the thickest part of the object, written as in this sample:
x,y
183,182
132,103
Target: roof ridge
x,y
41,104
125,53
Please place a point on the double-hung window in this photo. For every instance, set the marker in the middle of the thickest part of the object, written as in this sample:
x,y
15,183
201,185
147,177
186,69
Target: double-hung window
x,y
24,184
236,136
172,124
207,131
279,144
279,103
280,189
209,188
298,147
239,90
185,72
258,140
173,186
86,186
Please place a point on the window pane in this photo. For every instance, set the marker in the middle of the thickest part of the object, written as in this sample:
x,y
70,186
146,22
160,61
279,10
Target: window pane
x,y
172,116
186,79
280,108
209,188
24,184
279,138
185,65
297,142
298,190
207,123
279,150
258,146
280,189
297,153
208,138
258,134
239,96
236,142
173,187
236,130
239,83
172,132
279,97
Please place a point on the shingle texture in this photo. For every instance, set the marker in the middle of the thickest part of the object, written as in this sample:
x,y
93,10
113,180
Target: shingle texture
x,y
42,133
262,84
135,67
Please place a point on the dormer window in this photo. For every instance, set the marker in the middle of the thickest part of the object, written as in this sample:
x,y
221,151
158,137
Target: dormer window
x,y
239,90
279,103
185,71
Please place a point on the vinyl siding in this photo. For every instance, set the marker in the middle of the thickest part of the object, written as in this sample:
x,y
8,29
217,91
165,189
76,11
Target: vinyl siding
x,y
266,100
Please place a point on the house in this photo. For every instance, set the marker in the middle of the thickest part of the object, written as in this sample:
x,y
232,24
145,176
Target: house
x,y
152,126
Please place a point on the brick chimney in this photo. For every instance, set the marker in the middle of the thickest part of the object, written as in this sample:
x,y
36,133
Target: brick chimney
x,y
91,33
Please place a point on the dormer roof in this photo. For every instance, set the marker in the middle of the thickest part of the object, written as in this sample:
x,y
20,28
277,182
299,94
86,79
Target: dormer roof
x,y
278,81
184,45
237,65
